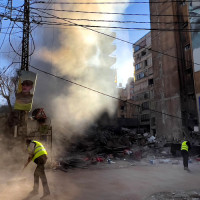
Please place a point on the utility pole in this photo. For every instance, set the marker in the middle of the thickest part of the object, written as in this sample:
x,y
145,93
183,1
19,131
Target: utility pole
x,y
25,41
25,63
9,6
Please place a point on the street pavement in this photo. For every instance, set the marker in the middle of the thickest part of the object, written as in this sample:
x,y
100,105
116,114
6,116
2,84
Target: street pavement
x,y
133,182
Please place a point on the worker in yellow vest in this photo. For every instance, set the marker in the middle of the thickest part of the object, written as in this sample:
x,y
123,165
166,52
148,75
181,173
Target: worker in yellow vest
x,y
38,154
185,147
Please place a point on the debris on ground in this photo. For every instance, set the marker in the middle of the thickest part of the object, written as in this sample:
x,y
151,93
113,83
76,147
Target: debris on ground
x,y
179,195
103,146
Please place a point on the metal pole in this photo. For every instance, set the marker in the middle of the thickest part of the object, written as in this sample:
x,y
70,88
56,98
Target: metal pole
x,y
25,59
25,40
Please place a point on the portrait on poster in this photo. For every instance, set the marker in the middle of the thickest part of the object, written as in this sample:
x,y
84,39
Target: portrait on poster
x,y
25,92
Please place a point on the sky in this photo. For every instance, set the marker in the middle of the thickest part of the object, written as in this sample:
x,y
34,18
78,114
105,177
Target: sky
x,y
124,51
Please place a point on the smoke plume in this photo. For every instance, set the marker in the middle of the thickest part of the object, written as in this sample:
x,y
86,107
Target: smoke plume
x,y
82,56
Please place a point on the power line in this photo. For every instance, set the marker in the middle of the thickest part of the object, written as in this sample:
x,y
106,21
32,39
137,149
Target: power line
x,y
7,68
5,36
72,82
101,13
110,13
132,2
116,38
117,21
88,12
117,27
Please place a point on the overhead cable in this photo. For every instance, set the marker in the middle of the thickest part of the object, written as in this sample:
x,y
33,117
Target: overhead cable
x,y
122,2
5,35
116,21
110,13
80,85
117,27
156,51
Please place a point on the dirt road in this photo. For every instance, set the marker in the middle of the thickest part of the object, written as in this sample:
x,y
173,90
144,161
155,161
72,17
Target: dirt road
x,y
129,183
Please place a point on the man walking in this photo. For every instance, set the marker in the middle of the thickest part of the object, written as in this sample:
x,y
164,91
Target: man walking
x,y
185,147
38,154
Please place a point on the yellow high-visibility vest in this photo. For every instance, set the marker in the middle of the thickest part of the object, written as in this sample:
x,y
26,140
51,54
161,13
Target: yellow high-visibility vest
x,y
184,146
39,150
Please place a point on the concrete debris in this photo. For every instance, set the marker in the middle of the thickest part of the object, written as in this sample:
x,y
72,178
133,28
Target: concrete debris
x,y
164,160
109,146
145,134
175,162
153,162
152,139
178,195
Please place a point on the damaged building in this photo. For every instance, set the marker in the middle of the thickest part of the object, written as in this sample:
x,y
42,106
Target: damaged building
x,y
143,90
175,76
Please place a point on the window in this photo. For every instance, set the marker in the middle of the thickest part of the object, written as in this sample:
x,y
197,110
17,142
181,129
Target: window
x,y
122,107
137,66
136,48
153,121
191,96
146,95
187,47
145,63
145,105
185,24
182,3
139,76
143,53
151,82
138,57
189,70
145,118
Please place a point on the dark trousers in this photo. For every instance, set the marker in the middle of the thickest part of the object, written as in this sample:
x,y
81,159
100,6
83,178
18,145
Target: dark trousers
x,y
39,172
185,155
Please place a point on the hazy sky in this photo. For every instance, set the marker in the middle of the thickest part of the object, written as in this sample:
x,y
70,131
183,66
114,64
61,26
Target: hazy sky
x,y
123,52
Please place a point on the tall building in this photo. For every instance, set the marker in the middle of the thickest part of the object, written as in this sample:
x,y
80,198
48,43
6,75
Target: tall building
x,y
126,107
143,88
194,19
173,66
130,88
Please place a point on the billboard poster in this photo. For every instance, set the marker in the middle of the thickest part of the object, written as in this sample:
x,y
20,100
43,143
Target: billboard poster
x,y
194,12
25,91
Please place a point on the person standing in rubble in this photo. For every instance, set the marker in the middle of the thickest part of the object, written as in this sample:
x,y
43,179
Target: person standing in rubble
x,y
38,154
185,147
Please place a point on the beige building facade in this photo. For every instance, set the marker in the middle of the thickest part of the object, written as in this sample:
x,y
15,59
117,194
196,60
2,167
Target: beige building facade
x,y
143,88
126,107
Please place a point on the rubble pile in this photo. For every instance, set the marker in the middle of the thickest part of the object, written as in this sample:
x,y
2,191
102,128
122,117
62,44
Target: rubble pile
x,y
189,195
106,145
110,146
